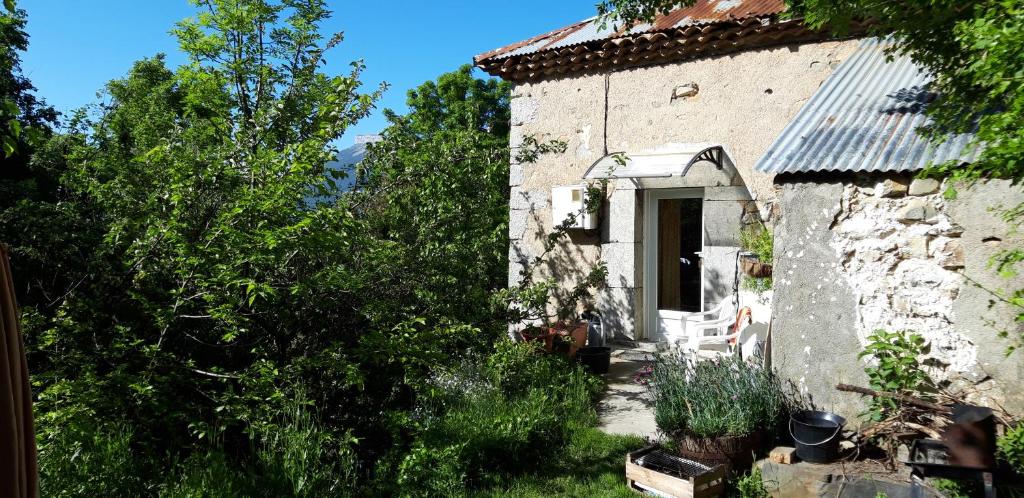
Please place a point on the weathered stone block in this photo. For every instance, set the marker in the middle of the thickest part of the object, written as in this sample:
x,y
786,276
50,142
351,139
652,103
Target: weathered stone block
x,y
620,310
524,110
518,258
719,263
951,256
722,221
623,261
685,91
624,184
858,228
891,187
516,174
515,272
917,210
783,454
924,186
951,230
624,221
730,193
917,247
872,255
518,220
529,200
902,304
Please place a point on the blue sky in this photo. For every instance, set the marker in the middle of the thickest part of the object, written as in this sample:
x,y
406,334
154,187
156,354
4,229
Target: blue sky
x,y
77,46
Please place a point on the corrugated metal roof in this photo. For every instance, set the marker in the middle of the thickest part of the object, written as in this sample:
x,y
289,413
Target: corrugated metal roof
x,y
864,117
588,31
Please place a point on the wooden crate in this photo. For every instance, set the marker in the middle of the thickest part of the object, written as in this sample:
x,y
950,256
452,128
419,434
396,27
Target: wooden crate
x,y
706,484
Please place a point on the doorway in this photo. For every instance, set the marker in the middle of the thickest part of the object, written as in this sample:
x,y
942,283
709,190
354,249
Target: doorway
x,y
674,241
679,247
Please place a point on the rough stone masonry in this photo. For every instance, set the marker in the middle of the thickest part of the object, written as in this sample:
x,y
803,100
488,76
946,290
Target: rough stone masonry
x,y
855,254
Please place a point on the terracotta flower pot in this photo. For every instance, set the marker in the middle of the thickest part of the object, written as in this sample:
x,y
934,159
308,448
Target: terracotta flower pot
x,y
572,336
735,452
753,267
543,336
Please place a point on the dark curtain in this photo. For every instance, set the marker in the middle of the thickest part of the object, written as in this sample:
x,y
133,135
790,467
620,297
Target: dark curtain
x,y
18,471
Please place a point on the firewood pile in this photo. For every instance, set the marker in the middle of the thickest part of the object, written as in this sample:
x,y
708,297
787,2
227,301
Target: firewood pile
x,y
914,418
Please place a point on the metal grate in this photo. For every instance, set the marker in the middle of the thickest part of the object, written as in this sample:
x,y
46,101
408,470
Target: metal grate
x,y
672,465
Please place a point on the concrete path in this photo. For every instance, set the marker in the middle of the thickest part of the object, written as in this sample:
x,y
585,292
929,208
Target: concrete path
x,y
625,407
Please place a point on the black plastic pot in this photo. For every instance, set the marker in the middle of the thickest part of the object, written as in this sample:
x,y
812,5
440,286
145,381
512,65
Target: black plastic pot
x,y
816,435
595,358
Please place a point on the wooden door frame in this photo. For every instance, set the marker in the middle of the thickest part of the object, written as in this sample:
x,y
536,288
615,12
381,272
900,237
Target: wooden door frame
x,y
650,252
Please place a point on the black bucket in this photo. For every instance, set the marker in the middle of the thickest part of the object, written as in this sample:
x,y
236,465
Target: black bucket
x,y
817,435
595,358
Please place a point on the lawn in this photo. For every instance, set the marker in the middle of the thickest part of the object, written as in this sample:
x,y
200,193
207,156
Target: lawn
x,y
590,465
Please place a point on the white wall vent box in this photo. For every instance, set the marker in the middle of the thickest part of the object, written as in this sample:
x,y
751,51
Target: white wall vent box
x,y
569,199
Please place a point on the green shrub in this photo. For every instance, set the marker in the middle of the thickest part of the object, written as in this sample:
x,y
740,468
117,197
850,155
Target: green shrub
x,y
758,240
757,285
715,398
295,457
589,465
427,471
958,488
1011,448
517,367
897,368
300,458
90,459
211,474
750,485
492,416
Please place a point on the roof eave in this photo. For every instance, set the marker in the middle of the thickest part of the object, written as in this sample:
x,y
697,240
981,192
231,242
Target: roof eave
x,y
651,48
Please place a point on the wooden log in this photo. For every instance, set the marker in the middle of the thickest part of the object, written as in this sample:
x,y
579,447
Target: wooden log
x,y
911,400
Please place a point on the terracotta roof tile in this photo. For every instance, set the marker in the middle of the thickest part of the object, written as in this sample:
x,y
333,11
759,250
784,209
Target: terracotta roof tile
x,y
705,28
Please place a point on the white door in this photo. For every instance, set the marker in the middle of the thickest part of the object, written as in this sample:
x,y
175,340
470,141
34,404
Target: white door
x,y
673,273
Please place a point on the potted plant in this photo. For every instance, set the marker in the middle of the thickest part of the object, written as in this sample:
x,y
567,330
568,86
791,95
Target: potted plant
x,y
543,335
530,302
718,411
570,335
757,243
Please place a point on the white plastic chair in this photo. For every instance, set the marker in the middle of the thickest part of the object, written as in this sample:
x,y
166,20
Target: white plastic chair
x,y
682,326
722,336
725,310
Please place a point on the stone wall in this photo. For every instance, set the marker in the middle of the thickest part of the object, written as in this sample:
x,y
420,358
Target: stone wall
x,y
744,101
858,254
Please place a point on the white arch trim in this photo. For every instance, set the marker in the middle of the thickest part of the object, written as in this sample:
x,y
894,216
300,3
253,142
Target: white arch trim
x,y
666,161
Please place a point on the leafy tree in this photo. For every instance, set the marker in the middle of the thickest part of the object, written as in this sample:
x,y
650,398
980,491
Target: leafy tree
x,y
436,189
183,283
24,118
194,278
197,267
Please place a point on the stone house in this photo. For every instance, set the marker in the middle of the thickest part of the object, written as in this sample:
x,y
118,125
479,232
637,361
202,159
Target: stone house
x,y
861,245
729,114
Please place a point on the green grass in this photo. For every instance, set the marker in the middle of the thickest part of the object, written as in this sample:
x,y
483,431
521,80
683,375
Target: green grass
x,y
590,465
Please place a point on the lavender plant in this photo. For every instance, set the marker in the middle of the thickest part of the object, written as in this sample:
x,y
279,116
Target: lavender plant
x,y
720,397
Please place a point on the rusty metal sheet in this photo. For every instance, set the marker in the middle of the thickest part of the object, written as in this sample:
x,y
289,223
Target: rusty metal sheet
x,y
589,30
